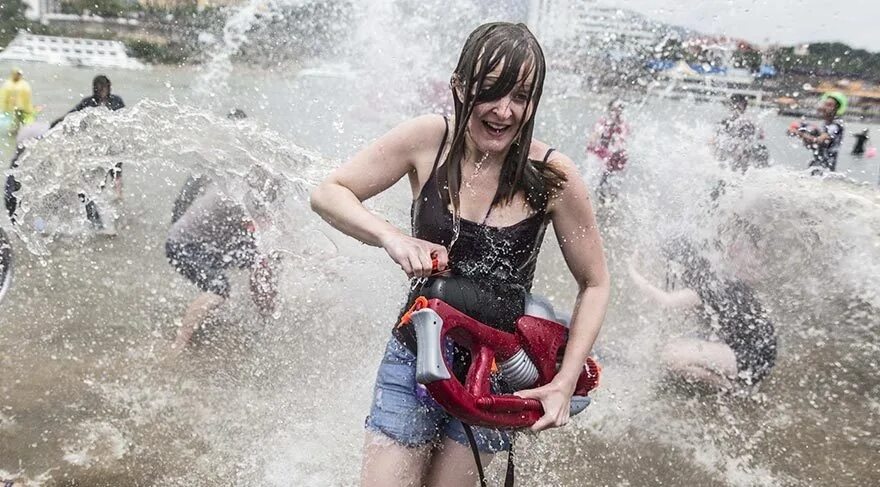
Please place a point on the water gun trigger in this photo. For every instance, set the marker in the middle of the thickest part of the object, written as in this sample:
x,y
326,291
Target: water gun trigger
x,y
419,303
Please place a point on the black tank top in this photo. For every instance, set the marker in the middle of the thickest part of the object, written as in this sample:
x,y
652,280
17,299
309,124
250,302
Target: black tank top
x,y
502,259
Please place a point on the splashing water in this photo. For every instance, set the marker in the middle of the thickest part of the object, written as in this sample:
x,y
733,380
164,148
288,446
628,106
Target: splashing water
x,y
84,396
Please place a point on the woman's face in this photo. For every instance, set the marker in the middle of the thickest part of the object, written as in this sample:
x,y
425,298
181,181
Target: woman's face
x,y
494,125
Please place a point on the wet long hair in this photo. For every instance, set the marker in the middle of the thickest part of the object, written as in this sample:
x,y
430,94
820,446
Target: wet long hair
x,y
486,48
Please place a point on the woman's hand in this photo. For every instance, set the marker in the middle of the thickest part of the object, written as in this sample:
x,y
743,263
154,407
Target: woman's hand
x,y
417,258
555,397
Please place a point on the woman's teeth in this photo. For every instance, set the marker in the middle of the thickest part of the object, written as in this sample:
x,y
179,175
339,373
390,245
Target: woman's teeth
x,y
495,128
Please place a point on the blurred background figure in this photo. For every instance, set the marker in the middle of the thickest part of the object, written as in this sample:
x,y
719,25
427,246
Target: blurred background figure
x,y
211,232
861,140
824,141
101,97
608,142
736,341
738,141
15,102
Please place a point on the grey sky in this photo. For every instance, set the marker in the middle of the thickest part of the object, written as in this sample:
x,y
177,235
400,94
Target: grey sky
x,y
855,22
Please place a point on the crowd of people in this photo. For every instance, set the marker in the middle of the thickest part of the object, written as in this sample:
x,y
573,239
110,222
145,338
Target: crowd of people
x,y
738,142
484,192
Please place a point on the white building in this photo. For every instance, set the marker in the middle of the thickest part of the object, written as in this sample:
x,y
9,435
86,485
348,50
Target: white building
x,y
590,22
69,51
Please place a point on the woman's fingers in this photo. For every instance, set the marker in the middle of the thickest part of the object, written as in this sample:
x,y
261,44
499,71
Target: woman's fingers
x,y
418,258
408,265
424,260
441,257
551,419
555,411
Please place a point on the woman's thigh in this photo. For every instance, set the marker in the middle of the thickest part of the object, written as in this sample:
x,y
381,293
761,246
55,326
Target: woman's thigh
x,y
389,463
453,465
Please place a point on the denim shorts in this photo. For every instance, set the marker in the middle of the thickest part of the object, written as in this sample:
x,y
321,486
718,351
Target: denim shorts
x,y
403,410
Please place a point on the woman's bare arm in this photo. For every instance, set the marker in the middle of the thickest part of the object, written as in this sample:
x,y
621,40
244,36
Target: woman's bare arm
x,y
578,235
408,148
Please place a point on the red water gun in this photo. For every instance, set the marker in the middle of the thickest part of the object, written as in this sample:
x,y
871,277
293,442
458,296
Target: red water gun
x,y
526,358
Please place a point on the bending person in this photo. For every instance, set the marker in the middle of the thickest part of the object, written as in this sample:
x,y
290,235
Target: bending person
x,y
483,193
737,343
213,234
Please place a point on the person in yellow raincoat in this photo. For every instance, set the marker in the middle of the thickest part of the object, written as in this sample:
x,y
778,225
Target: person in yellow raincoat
x,y
15,101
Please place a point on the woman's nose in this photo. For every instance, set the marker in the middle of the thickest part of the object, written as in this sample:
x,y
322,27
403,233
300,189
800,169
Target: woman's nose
x,y
502,107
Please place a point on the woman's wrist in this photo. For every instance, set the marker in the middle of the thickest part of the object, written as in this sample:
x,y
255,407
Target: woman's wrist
x,y
566,382
387,235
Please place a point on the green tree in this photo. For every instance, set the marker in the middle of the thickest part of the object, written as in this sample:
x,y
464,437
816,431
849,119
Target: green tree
x,y
830,59
103,8
12,19
747,59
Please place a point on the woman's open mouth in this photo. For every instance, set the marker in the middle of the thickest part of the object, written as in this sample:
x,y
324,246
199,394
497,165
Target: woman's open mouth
x,y
495,129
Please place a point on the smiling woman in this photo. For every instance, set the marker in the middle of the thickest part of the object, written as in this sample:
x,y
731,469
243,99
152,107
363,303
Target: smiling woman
x,y
484,192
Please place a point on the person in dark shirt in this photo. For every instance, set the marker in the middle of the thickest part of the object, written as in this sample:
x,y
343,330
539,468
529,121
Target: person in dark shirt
x,y
861,139
101,97
212,232
737,342
824,142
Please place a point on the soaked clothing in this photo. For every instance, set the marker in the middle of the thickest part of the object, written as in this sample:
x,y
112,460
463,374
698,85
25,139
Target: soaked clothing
x,y
113,103
502,259
501,262
733,314
214,234
404,411
825,155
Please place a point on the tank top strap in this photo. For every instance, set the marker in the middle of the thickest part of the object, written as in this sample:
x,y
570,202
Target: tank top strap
x,y
430,186
442,146
544,161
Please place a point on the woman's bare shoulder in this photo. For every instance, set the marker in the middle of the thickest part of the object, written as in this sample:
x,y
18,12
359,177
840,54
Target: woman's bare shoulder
x,y
557,159
423,129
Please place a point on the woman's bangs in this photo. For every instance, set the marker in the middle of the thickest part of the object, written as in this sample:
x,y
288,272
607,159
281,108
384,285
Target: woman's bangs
x,y
511,57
